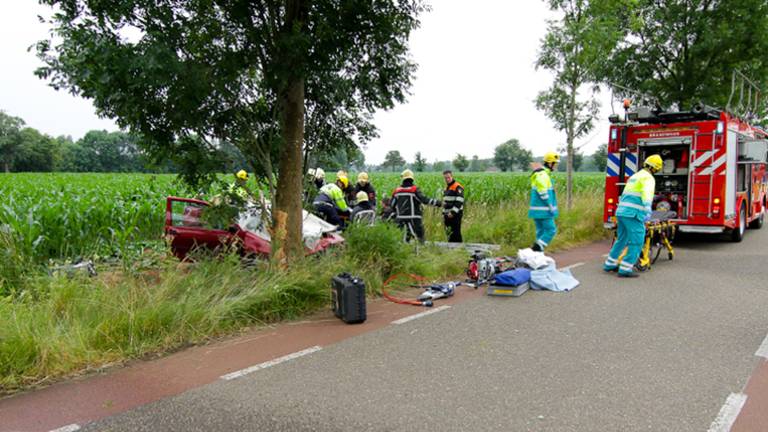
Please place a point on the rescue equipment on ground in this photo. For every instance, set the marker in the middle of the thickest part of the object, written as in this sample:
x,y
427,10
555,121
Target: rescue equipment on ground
x,y
431,292
533,259
438,291
510,283
348,298
481,269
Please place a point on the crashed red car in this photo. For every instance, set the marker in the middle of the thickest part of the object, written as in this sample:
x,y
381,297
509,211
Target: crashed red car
x,y
184,230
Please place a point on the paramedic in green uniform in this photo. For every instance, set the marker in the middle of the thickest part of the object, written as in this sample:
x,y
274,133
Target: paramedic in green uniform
x,y
543,207
634,210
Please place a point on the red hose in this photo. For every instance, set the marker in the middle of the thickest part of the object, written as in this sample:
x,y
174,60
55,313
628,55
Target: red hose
x,y
399,300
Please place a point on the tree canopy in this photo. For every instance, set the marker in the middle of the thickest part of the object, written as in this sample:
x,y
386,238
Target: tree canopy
x,y
510,155
681,52
460,162
393,160
183,74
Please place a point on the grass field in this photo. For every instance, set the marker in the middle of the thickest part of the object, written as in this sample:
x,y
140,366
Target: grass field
x,y
144,301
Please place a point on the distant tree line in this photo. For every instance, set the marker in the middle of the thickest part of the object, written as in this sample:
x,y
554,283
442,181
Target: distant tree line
x,y
508,156
25,149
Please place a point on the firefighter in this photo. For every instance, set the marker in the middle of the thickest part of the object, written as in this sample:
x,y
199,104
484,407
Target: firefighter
x,y
363,212
318,177
543,206
633,211
330,203
406,201
239,187
453,207
364,185
349,190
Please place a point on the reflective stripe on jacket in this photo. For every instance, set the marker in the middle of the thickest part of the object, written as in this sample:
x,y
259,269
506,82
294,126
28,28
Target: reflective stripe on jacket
x,y
407,201
542,195
335,195
453,198
637,198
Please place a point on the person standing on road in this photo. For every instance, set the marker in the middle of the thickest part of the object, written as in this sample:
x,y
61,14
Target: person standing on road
x,y
364,185
406,201
633,212
363,212
453,207
543,205
330,203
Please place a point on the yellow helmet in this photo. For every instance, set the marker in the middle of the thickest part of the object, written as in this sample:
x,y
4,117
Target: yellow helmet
x,y
654,162
407,174
551,157
242,175
362,178
361,196
343,180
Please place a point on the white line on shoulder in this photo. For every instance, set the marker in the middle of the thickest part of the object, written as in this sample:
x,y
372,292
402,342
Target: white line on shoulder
x,y
68,428
260,366
728,413
420,315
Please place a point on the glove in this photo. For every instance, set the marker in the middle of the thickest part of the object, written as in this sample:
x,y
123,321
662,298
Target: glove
x,y
551,210
647,217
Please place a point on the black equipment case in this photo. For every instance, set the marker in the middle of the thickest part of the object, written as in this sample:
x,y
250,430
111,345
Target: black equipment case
x,y
348,298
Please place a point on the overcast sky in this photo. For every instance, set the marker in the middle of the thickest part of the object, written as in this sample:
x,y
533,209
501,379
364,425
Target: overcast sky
x,y
474,88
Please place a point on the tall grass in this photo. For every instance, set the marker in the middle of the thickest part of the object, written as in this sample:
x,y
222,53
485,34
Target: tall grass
x,y
69,325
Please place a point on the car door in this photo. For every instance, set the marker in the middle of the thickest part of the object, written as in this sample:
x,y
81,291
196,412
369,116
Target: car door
x,y
185,229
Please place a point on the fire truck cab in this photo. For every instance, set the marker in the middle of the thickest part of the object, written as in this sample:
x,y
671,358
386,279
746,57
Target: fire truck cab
x,y
714,172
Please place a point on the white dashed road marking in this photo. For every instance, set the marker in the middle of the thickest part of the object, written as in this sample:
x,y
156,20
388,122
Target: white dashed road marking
x,y
260,366
67,428
763,350
420,315
728,413
573,266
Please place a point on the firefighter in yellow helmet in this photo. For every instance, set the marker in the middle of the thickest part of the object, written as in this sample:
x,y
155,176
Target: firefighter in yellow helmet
x,y
330,202
406,202
363,212
633,212
239,187
364,185
543,203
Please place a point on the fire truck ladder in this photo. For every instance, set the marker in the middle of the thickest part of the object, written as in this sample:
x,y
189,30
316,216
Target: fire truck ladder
x,y
748,101
694,177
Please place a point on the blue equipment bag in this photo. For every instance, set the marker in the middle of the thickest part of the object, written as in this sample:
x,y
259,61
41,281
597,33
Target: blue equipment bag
x,y
513,277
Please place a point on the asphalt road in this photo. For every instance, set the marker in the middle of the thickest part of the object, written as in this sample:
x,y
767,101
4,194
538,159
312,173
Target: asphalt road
x,y
658,353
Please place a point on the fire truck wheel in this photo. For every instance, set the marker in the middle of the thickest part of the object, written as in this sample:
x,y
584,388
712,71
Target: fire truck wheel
x,y
737,234
758,223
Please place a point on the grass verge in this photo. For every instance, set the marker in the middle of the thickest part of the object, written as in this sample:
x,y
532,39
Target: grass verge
x,y
57,326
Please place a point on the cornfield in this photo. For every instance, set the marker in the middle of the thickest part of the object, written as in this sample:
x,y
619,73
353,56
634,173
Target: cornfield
x,y
70,215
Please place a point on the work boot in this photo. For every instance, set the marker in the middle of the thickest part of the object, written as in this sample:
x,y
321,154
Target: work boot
x,y
628,275
537,248
609,268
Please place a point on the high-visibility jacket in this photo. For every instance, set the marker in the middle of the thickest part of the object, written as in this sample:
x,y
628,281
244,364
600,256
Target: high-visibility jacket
x,y
453,198
238,190
542,195
332,194
637,198
407,200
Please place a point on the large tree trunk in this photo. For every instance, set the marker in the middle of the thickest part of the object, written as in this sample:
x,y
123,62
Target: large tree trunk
x,y
287,216
289,189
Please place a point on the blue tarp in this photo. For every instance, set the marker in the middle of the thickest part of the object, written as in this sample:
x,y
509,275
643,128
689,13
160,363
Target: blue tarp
x,y
552,279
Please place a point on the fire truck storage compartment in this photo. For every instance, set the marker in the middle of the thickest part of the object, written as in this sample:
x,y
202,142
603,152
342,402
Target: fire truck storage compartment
x,y
672,180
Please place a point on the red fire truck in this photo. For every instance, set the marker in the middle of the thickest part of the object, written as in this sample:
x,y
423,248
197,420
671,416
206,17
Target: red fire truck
x,y
714,172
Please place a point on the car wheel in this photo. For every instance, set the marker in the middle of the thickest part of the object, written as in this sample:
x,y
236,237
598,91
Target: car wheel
x,y
737,234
